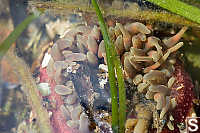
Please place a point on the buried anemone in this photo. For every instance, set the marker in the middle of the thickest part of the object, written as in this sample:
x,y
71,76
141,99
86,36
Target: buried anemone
x,y
77,74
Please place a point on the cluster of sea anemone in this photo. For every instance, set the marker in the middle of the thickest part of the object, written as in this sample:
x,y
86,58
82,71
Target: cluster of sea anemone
x,y
149,64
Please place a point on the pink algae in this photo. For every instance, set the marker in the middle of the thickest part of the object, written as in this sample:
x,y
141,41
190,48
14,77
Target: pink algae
x,y
58,121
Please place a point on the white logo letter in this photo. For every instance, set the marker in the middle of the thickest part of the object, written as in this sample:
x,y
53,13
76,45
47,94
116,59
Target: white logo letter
x,y
193,123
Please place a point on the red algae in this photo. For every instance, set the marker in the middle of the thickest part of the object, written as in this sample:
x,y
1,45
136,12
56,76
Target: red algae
x,y
182,92
184,95
58,121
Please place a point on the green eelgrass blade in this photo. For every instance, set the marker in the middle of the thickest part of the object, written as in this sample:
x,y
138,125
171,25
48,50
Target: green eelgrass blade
x,y
111,70
113,58
122,94
188,11
14,35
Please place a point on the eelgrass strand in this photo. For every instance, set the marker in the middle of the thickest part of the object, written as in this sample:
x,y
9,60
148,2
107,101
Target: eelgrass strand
x,y
188,11
111,54
15,34
30,90
122,94
111,70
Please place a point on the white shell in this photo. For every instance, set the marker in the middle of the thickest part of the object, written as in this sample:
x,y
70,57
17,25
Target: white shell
x,y
44,89
103,67
46,60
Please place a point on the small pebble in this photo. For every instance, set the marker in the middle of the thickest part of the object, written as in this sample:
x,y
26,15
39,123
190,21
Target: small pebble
x,y
172,61
96,95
